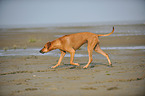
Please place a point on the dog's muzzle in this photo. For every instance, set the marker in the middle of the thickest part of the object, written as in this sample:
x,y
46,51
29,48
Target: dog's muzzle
x,y
41,52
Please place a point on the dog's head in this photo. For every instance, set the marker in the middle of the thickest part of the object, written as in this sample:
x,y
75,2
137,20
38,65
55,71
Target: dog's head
x,y
46,48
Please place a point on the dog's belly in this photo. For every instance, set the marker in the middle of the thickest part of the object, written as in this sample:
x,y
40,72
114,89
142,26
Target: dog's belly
x,y
77,45
77,41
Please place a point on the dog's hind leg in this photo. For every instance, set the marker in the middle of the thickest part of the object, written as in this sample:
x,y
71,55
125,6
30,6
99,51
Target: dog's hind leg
x,y
90,58
99,50
91,45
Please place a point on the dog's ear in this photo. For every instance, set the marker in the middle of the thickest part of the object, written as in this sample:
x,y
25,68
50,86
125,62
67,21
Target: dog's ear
x,y
48,44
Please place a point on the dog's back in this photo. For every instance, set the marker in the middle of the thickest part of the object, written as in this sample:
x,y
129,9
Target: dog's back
x,y
77,40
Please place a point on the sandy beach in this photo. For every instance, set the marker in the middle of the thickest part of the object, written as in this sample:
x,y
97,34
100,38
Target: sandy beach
x,y
31,75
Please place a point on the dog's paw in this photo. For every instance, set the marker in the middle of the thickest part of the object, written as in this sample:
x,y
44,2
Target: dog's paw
x,y
110,65
77,64
53,67
85,67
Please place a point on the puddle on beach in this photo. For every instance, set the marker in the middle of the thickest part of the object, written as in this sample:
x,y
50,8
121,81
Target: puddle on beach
x,y
56,53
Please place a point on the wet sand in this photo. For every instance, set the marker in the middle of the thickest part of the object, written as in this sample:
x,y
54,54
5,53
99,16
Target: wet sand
x,y
22,40
32,75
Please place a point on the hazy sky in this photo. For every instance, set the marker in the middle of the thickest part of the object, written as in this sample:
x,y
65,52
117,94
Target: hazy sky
x,y
23,12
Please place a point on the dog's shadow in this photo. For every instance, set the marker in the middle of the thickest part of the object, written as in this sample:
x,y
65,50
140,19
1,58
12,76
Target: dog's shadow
x,y
92,65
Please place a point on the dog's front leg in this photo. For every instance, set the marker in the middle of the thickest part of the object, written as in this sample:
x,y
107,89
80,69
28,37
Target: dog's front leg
x,y
60,59
72,53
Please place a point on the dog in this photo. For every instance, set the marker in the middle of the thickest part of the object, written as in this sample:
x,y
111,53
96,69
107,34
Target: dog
x,y
70,43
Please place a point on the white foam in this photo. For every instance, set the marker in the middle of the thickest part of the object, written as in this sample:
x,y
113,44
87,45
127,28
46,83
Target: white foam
x,y
56,53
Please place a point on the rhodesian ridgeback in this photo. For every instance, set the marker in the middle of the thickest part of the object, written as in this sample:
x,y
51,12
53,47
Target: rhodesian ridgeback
x,y
70,43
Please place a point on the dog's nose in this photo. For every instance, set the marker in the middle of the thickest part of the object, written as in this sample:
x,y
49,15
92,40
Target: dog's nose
x,y
40,51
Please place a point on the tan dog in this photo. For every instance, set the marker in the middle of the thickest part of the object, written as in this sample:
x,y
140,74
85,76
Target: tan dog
x,y
70,43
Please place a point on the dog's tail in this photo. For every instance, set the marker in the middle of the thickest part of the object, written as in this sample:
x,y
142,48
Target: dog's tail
x,y
106,34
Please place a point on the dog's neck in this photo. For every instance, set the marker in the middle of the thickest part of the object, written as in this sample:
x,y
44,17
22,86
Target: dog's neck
x,y
56,44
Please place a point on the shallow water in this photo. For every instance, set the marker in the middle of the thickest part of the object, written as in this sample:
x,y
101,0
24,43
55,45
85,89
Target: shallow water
x,y
119,29
56,53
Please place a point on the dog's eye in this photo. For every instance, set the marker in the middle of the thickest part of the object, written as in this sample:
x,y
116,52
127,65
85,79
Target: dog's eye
x,y
44,46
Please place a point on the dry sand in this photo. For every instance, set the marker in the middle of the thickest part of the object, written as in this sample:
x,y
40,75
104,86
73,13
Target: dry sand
x,y
32,75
